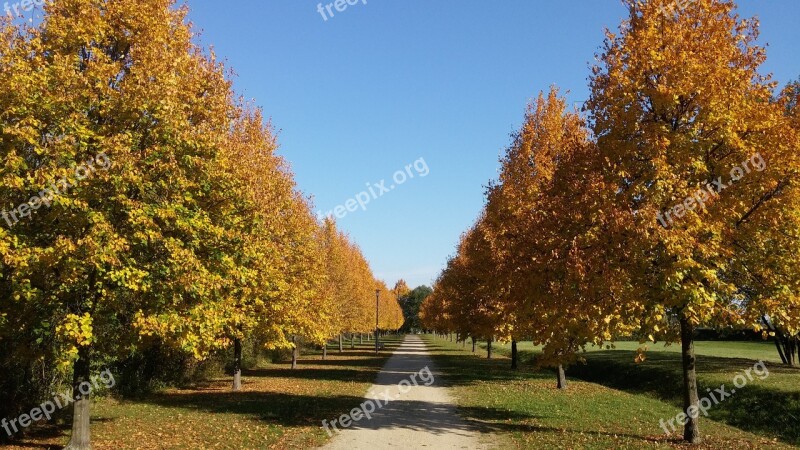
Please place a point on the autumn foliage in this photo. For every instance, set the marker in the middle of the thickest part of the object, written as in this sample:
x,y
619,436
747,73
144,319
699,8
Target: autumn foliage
x,y
670,205
195,238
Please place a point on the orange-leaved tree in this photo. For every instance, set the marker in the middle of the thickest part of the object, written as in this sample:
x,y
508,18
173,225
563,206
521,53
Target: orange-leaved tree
x,y
693,147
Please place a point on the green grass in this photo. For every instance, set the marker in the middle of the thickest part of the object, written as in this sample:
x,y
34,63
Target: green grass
x,y
277,408
611,402
764,351
614,403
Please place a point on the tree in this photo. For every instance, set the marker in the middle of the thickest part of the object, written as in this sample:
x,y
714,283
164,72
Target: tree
x,y
549,232
350,286
765,246
681,114
411,307
120,79
391,314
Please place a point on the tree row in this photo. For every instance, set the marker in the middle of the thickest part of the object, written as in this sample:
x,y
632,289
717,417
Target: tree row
x,y
194,238
669,203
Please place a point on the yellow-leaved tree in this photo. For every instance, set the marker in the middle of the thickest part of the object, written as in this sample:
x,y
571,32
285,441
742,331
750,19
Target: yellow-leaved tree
x,y
116,124
696,152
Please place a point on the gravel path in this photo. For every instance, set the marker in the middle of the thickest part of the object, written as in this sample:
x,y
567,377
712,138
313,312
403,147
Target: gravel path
x,y
423,416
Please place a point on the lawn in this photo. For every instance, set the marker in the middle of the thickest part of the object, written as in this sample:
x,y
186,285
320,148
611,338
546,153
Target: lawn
x,y
764,351
614,403
277,408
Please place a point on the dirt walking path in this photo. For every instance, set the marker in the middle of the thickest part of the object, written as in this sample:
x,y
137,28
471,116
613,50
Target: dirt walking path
x,y
407,416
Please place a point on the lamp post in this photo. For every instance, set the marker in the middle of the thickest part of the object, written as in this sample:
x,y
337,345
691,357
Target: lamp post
x,y
377,306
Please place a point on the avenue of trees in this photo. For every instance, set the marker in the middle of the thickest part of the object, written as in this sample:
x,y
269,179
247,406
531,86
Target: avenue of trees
x,y
671,204
194,241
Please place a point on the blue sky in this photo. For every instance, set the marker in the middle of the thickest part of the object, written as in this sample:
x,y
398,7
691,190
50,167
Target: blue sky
x,y
382,84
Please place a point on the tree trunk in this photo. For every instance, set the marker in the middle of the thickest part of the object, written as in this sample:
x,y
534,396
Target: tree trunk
x,y
794,351
361,337
489,349
341,343
787,347
474,345
352,341
514,354
691,400
295,352
324,352
780,345
562,377
237,364
81,433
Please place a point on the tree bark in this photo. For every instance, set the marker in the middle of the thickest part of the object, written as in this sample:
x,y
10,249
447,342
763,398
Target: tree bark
x,y
779,344
489,348
81,433
295,352
562,377
474,345
361,336
352,341
237,364
691,400
787,348
341,343
514,354
324,352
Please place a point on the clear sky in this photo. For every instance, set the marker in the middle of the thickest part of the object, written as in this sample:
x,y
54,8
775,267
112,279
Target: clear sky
x,y
380,85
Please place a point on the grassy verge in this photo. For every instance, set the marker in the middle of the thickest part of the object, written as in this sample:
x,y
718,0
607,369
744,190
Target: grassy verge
x,y
620,407
764,351
277,408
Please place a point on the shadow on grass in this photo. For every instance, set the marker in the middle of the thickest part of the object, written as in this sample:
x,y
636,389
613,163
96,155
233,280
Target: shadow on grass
x,y
58,428
343,374
359,365
478,369
32,445
280,409
464,369
754,408
358,353
300,410
214,396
